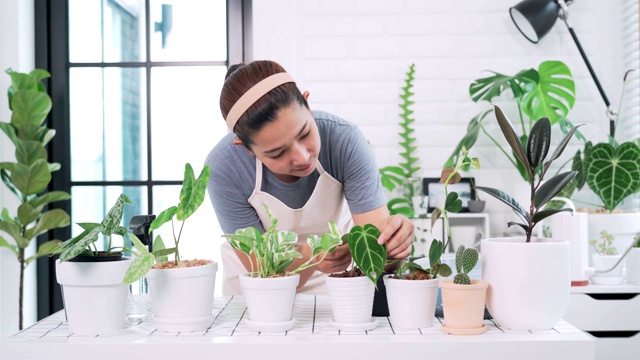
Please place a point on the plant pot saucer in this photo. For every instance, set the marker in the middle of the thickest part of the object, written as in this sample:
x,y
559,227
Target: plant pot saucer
x,y
460,331
366,326
182,324
270,327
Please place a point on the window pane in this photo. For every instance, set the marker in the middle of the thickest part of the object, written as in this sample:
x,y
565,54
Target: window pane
x,y
108,124
110,31
186,118
92,203
188,30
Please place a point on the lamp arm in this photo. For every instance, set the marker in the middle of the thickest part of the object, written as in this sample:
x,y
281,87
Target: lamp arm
x,y
611,112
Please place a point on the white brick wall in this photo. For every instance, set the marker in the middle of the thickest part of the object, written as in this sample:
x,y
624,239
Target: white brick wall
x,y
352,55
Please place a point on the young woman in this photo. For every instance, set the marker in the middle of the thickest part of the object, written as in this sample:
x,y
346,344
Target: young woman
x,y
308,167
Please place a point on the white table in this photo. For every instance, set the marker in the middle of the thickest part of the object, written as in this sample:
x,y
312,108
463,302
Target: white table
x,y
312,338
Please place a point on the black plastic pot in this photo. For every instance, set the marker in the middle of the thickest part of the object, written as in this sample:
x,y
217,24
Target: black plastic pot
x,y
100,257
380,305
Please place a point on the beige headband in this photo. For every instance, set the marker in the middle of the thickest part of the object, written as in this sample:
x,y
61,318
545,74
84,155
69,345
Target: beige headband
x,y
256,92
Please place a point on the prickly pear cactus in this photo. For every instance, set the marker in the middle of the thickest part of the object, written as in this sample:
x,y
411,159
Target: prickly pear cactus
x,y
466,260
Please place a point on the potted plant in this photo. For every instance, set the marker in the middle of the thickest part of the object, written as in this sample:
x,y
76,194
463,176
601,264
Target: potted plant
x,y
89,276
351,292
519,298
633,262
606,261
181,291
463,299
269,288
29,176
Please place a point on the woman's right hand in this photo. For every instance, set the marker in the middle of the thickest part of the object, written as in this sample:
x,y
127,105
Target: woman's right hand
x,y
339,260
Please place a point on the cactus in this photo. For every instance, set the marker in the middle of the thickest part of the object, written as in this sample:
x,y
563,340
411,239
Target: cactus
x,y
466,260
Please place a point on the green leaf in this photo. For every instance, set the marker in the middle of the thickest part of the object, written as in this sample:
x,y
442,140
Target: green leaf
x,y
52,219
490,87
444,270
39,74
13,248
453,204
553,96
80,244
27,213
27,152
561,147
29,107
31,179
368,255
13,229
50,197
46,249
111,221
435,215
539,142
10,131
507,199
543,214
162,218
138,268
161,254
22,81
140,246
435,252
552,187
513,140
193,191
392,176
158,245
613,174
244,240
401,206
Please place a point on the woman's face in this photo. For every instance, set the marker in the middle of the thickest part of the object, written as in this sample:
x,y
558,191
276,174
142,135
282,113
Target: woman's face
x,y
288,146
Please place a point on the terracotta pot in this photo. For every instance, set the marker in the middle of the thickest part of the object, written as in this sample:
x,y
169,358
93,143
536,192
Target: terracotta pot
x,y
463,307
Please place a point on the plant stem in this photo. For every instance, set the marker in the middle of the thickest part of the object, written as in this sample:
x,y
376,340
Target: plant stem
x,y
524,131
21,290
498,145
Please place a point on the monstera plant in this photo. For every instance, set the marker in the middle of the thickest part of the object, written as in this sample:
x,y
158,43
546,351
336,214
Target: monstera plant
x,y
548,92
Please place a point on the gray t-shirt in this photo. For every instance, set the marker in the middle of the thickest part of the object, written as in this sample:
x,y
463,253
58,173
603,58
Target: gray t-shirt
x,y
344,154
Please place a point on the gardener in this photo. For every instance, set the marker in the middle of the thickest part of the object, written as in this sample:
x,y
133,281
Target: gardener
x,y
308,167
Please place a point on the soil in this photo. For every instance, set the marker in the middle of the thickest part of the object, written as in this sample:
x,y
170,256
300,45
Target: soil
x,y
602,211
181,264
348,273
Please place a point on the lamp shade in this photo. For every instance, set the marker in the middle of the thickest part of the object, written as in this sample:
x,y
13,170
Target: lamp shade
x,y
534,18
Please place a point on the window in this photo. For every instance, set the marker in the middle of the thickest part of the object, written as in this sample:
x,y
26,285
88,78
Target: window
x,y
135,85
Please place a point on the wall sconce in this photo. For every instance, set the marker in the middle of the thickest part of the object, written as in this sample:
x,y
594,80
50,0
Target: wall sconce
x,y
534,19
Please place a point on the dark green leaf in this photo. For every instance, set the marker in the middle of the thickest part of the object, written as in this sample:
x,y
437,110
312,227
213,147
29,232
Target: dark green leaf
x,y
543,214
368,255
453,204
560,149
435,252
444,270
513,140
507,199
552,187
539,142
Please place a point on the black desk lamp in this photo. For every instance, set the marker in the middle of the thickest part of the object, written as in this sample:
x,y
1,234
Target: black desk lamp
x,y
534,19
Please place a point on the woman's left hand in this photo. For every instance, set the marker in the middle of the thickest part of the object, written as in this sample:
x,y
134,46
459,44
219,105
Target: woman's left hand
x,y
396,231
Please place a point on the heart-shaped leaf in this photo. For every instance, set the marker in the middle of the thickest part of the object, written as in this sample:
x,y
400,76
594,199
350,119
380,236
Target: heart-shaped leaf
x,y
368,255
613,173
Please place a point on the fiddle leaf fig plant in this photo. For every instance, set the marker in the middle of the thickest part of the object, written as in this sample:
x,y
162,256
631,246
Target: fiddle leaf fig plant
x,y
399,175
274,250
29,176
536,166
366,254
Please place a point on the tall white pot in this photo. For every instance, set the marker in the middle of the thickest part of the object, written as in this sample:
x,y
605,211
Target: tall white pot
x,y
95,298
182,298
351,302
529,283
633,266
412,303
270,302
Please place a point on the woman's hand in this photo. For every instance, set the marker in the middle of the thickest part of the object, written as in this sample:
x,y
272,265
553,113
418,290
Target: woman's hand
x,y
396,231
337,261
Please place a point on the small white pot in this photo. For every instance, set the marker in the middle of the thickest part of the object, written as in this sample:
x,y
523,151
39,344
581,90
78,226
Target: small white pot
x,y
603,263
412,303
95,298
182,298
529,283
351,299
269,300
623,227
633,266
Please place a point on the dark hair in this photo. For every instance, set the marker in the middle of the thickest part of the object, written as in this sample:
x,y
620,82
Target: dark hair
x,y
242,77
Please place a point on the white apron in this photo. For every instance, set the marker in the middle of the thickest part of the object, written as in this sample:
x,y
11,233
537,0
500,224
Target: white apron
x,y
327,203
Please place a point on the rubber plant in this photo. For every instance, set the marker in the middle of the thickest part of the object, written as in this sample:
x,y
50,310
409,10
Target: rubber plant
x,y
29,176
398,175
610,169
546,92
274,250
192,195
533,158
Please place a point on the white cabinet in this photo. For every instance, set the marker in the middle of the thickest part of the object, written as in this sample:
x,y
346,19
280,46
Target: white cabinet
x,y
611,314
473,225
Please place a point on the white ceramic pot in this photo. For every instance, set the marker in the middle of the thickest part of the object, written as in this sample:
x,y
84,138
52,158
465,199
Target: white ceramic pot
x,y
270,301
529,283
95,298
182,298
351,301
633,266
412,303
622,226
604,263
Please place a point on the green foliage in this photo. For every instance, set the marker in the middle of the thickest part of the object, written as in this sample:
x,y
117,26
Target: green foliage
x,y
547,92
84,244
397,175
604,246
274,250
29,177
533,159
466,260
367,254
192,196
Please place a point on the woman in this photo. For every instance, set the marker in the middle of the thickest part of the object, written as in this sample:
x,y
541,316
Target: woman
x,y
308,167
